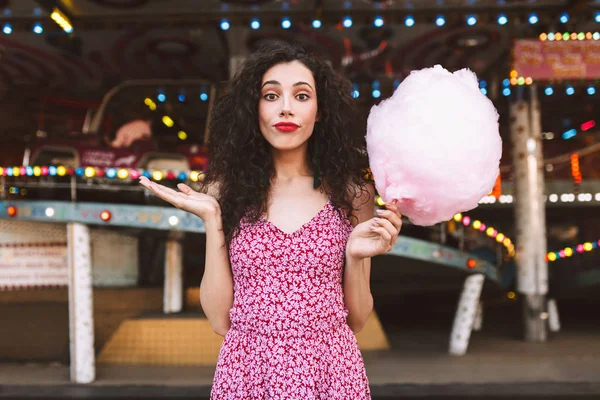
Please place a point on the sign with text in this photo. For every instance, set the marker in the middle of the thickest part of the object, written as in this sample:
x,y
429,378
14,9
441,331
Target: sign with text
x,y
24,265
564,59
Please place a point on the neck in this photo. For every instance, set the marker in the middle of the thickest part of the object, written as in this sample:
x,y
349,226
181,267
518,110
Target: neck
x,y
291,164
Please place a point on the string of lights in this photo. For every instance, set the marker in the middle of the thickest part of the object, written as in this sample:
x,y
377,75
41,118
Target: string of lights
x,y
568,251
489,231
319,18
90,172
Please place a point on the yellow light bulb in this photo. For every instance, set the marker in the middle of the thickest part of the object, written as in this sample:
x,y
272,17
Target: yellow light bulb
x,y
476,224
551,256
568,252
489,231
194,176
458,217
182,135
380,201
167,121
90,172
587,246
37,171
123,173
61,171
157,175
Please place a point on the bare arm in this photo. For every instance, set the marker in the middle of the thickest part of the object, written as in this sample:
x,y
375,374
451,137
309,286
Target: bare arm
x,y
370,237
357,273
216,288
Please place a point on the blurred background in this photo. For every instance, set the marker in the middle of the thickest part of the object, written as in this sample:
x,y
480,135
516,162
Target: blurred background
x,y
99,280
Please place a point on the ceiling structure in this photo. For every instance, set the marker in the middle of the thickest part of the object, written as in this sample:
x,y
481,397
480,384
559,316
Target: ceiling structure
x,y
117,40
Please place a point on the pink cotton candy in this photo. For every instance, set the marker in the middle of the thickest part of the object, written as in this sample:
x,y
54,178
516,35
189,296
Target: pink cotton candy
x,y
434,145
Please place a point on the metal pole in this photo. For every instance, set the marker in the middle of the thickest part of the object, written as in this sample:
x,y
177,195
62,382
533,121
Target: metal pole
x,y
81,310
530,215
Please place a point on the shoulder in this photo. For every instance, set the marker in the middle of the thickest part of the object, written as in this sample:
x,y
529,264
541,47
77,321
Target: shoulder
x,y
363,200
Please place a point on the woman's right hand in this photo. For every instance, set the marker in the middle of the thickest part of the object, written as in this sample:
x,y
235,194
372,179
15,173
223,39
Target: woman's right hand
x,y
200,204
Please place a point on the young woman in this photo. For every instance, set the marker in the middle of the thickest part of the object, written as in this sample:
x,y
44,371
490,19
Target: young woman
x,y
289,231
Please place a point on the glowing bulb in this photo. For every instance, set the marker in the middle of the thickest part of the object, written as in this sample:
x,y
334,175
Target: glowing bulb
x,y
224,24
182,135
378,22
49,212
123,173
61,171
471,20
316,23
568,252
533,19
347,22
286,23
564,18
458,217
502,19
440,21
105,215
167,121
551,256
173,220
570,90
409,21
157,175
38,28
255,24
11,211
194,176
90,172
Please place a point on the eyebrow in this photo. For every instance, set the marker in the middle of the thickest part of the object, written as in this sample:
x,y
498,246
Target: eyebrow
x,y
279,84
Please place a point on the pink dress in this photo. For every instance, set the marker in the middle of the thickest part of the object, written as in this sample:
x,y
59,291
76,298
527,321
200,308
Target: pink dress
x,y
289,338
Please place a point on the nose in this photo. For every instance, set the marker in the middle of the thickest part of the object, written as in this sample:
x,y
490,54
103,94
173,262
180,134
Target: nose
x,y
286,109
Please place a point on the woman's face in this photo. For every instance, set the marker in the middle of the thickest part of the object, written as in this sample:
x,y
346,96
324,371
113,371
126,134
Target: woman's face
x,y
287,108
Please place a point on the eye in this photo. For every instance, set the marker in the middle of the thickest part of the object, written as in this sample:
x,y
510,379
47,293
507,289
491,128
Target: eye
x,y
302,97
270,96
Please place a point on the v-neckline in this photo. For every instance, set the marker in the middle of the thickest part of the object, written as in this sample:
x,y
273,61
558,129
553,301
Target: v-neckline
x,y
302,227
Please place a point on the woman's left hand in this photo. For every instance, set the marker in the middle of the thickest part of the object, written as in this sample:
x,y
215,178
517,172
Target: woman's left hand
x,y
377,235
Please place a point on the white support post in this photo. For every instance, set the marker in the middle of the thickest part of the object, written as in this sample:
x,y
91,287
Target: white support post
x,y
465,315
553,316
478,323
81,310
173,286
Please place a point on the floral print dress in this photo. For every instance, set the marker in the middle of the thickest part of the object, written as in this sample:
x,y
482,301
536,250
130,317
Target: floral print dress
x,y
289,338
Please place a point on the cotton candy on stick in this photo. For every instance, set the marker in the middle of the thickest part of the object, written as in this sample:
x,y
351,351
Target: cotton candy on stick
x,y
434,145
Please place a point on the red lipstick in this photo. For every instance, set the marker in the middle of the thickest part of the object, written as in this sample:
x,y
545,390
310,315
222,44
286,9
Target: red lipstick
x,y
286,126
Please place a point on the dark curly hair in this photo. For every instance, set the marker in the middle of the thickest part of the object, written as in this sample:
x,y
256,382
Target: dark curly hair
x,y
240,160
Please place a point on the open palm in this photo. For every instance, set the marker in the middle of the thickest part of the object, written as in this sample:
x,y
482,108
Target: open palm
x,y
200,204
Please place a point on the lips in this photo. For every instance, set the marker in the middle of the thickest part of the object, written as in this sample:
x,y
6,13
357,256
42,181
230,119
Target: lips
x,y
286,126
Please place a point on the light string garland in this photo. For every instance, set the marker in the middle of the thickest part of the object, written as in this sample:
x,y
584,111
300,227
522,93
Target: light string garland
x,y
569,251
89,172
489,231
